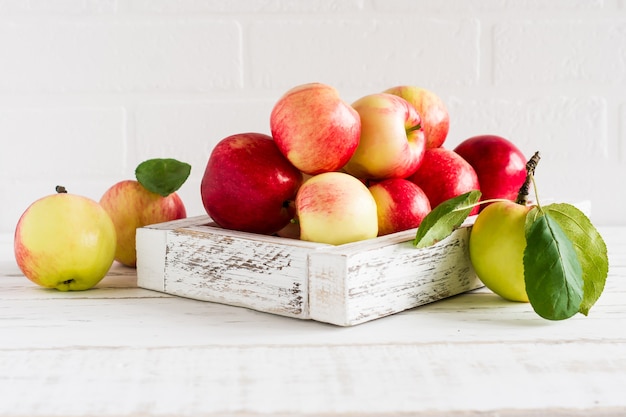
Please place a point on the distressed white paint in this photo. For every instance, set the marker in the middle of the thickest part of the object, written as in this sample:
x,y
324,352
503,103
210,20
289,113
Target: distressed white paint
x,y
343,285
355,283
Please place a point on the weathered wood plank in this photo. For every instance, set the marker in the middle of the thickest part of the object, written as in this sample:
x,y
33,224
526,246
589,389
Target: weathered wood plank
x,y
136,318
378,379
236,270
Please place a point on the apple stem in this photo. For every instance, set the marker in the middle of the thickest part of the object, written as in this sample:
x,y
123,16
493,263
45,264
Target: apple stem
x,y
522,195
490,200
60,189
532,177
481,202
414,128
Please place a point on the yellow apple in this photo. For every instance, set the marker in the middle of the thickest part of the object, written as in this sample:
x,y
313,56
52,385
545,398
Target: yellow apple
x,y
131,206
496,248
65,241
336,208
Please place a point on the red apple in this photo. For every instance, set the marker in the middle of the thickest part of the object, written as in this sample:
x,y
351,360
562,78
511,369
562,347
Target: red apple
x,y
401,205
432,110
392,141
444,174
314,128
499,164
249,185
130,205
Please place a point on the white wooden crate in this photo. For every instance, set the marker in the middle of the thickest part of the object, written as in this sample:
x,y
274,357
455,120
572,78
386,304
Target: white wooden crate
x,y
343,285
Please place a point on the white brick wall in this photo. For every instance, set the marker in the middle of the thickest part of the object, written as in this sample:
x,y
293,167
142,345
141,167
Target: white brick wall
x,y
90,88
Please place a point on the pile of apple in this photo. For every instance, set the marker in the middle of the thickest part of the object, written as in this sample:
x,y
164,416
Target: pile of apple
x,y
333,172
330,172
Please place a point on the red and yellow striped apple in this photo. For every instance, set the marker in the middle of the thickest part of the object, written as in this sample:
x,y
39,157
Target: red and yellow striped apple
x,y
401,205
249,185
132,206
65,241
314,128
432,110
392,141
336,208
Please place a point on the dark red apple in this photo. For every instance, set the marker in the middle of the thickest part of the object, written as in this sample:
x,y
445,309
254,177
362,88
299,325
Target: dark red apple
x,y
499,164
401,205
444,174
248,184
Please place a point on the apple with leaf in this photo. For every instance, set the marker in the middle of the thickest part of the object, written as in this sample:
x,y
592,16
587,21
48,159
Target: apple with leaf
x,y
551,256
149,199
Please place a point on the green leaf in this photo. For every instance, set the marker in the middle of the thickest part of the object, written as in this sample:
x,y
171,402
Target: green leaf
x,y
162,176
552,272
590,250
443,219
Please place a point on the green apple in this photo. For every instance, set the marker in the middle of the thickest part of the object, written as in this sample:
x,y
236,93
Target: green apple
x,y
336,208
65,241
496,248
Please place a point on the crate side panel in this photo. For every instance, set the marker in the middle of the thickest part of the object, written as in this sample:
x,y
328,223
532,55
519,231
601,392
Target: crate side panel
x,y
327,290
398,277
231,270
151,246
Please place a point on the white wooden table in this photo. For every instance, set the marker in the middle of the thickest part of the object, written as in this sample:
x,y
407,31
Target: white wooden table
x,y
118,350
